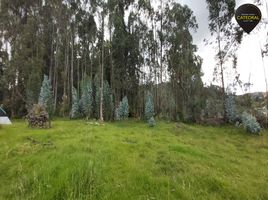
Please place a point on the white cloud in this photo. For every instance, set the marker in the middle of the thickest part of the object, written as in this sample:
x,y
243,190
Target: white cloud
x,y
250,63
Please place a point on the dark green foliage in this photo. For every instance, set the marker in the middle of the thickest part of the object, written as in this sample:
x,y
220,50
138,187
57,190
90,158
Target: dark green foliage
x,y
151,122
262,117
108,102
213,103
38,117
183,65
45,96
226,8
96,96
168,104
230,108
33,89
250,123
75,105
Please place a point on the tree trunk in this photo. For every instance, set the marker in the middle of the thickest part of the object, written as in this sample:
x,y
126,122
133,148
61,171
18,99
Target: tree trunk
x,y
69,92
161,61
72,63
111,62
78,77
101,70
65,72
55,77
51,56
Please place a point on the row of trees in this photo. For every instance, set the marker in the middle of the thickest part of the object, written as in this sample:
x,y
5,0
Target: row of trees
x,y
132,46
95,53
87,106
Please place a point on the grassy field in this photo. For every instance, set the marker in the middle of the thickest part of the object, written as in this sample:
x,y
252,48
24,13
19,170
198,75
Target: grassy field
x,y
129,160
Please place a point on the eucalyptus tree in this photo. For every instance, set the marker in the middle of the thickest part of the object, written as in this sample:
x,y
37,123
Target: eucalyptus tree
x,y
21,29
227,34
184,66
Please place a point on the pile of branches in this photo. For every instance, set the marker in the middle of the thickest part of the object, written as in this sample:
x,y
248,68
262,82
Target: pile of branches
x,y
38,117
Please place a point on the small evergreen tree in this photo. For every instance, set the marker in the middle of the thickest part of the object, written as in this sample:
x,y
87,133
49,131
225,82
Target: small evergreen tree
x,y
45,96
149,107
75,104
230,108
87,98
151,122
122,111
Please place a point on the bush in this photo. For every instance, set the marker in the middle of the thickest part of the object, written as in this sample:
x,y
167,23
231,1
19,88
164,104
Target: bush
x,y
261,117
250,123
38,117
151,122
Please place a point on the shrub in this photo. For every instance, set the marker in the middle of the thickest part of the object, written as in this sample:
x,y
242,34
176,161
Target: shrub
x,y
261,117
38,117
250,123
151,122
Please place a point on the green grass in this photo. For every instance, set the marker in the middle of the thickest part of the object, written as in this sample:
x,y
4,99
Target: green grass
x,y
128,160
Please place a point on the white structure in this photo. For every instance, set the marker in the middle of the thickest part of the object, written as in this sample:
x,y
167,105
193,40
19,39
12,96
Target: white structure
x,y
3,117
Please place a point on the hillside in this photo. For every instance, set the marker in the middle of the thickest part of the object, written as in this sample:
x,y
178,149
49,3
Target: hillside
x,y
129,160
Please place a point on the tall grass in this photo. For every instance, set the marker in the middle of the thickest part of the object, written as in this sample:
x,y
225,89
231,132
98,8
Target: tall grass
x,y
129,160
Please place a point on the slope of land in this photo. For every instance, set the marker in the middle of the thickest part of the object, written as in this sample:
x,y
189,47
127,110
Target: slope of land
x,y
129,160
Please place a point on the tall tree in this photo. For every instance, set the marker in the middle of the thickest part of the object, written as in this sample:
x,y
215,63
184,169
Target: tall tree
x,y
227,35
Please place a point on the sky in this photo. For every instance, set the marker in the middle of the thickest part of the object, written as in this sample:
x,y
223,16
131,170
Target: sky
x,y
250,64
